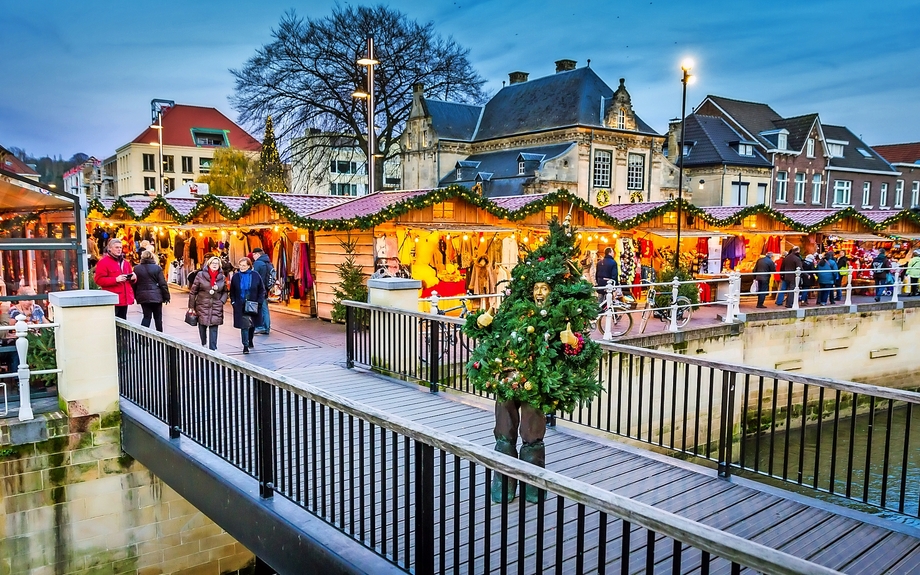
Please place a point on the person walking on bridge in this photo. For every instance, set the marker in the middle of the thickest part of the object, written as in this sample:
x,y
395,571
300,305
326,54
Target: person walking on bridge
x,y
913,272
762,271
791,262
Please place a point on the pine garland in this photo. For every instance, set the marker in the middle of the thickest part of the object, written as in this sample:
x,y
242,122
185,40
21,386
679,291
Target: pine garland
x,y
519,354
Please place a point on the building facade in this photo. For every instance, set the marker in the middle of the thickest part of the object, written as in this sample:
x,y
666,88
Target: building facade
x,y
190,134
905,158
85,179
323,164
566,131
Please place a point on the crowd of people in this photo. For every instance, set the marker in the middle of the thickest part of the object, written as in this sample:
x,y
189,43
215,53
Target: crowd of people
x,y
245,286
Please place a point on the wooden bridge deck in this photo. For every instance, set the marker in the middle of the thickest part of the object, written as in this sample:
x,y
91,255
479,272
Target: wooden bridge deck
x,y
848,540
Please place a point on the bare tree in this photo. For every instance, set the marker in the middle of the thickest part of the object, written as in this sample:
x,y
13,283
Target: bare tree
x,y
305,77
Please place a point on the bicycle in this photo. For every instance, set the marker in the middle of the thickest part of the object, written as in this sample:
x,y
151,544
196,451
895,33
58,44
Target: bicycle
x,y
621,320
449,332
684,309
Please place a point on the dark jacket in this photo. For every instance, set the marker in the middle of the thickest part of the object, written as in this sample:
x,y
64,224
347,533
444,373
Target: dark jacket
x,y
763,268
880,266
237,299
263,267
790,263
606,269
209,306
150,285
808,274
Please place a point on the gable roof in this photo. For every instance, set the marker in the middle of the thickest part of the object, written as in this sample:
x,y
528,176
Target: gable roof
x,y
453,121
571,98
900,153
713,138
181,119
11,163
501,171
752,116
852,159
799,128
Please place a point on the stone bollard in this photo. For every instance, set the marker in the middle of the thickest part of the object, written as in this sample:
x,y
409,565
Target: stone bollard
x,y
396,293
86,351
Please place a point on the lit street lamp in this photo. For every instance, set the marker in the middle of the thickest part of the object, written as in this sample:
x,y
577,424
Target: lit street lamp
x,y
159,144
369,61
685,66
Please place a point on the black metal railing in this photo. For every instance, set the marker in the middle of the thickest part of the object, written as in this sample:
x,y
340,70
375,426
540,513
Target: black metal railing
x,y
857,441
415,495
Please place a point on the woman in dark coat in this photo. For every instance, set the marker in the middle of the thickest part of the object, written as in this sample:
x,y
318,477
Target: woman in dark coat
x,y
246,285
150,290
206,298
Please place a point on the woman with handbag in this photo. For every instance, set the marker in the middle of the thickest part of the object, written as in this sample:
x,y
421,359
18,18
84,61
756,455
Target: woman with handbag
x,y
150,289
247,292
206,298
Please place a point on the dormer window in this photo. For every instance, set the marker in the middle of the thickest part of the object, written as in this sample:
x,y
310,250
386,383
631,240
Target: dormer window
x,y
835,150
459,173
745,150
521,168
781,141
621,119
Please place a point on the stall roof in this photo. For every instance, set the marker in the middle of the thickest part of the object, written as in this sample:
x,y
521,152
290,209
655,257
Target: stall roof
x,y
16,198
621,212
723,212
366,205
514,203
859,237
303,204
672,233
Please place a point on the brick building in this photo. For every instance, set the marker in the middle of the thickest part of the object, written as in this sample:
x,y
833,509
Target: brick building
x,y
905,158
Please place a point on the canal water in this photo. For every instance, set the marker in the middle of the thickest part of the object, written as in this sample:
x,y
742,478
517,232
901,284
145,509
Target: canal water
x,y
891,484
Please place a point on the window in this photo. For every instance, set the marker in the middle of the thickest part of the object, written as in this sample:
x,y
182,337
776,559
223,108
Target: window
x,y
810,148
749,222
170,185
835,150
915,194
842,192
186,164
800,188
550,212
209,137
204,165
899,194
761,193
343,189
150,164
883,196
520,168
443,210
739,195
168,165
187,181
635,172
745,150
816,189
602,161
781,141
865,153
867,194
459,173
150,184
343,167
782,179
621,119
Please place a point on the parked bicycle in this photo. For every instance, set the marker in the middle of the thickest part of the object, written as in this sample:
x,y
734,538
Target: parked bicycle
x,y
621,321
450,335
663,312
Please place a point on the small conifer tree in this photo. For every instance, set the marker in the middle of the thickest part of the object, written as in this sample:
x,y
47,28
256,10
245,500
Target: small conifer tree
x,y
270,166
351,287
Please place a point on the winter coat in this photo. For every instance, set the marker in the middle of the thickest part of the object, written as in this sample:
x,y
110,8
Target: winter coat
x,y
827,272
264,268
880,267
208,306
790,263
107,270
763,268
606,269
913,267
255,293
808,278
150,284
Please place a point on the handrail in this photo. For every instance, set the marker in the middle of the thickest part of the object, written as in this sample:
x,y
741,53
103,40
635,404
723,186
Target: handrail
x,y
24,374
709,539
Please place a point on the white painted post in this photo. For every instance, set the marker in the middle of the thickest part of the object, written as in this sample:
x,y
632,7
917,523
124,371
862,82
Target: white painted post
x,y
796,290
849,300
675,286
730,299
896,287
434,299
22,349
608,313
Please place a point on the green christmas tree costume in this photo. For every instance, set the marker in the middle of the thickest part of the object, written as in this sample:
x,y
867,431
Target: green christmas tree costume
x,y
536,355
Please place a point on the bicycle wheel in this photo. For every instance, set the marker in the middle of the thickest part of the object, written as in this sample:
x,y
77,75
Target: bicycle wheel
x,y
684,311
622,323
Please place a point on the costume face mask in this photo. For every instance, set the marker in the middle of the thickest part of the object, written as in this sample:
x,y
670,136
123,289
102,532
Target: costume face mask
x,y
540,293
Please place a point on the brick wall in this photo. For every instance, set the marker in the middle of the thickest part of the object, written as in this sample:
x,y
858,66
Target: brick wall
x,y
72,502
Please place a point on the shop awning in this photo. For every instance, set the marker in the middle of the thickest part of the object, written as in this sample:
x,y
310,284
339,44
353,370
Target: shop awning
x,y
857,237
672,233
16,198
912,237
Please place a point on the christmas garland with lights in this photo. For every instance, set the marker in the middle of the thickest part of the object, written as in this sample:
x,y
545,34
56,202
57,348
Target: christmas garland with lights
x,y
539,355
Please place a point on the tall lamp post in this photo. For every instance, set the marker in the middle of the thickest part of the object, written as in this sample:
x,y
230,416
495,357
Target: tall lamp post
x,y
157,106
685,66
369,61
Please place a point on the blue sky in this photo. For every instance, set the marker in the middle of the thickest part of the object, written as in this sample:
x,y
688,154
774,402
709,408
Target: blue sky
x,y
79,77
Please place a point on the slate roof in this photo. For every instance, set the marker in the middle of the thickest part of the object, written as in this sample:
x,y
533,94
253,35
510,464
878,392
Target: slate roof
x,y
500,169
365,205
713,139
179,121
799,128
851,157
453,121
900,153
753,116
563,99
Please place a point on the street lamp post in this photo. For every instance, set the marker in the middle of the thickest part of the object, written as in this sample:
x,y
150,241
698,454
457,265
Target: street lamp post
x,y
159,128
685,67
369,61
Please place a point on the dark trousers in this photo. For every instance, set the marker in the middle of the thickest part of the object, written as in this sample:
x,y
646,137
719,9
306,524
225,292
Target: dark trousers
x,y
121,311
827,292
838,294
914,283
512,417
246,334
154,310
208,332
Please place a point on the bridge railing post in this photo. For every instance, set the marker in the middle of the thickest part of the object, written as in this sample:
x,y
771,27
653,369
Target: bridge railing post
x,y
172,391
797,288
727,424
424,509
434,354
350,335
265,435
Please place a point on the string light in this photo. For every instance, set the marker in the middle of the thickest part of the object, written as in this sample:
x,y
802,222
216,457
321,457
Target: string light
x,y
466,237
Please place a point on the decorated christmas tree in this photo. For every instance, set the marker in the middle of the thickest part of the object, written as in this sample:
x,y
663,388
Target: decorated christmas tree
x,y
270,166
536,348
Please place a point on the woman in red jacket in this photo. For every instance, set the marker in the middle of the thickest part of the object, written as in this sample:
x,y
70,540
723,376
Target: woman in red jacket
x,y
114,274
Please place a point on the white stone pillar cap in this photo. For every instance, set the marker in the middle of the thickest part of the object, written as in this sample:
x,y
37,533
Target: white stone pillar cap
x,y
82,298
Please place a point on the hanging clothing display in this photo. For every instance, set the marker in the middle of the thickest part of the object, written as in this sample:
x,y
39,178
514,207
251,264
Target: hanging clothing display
x,y
715,255
510,251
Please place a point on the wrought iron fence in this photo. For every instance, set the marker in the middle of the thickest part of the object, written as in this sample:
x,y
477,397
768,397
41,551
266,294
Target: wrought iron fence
x,y
415,495
858,441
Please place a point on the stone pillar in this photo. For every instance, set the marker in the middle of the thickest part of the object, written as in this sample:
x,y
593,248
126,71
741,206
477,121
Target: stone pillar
x,y
398,293
86,354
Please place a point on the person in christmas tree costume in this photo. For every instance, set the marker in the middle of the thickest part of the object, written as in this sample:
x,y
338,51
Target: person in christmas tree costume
x,y
535,354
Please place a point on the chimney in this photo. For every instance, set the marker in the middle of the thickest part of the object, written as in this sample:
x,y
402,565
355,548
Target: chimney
x,y
517,77
564,65
674,128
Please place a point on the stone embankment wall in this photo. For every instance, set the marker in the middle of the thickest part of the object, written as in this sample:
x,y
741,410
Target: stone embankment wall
x,y
72,502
